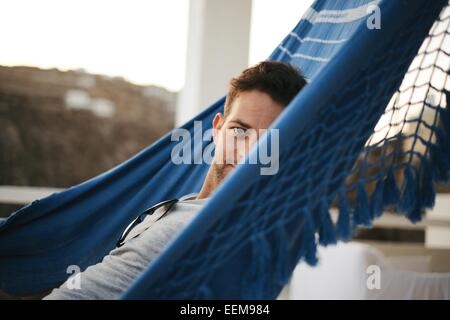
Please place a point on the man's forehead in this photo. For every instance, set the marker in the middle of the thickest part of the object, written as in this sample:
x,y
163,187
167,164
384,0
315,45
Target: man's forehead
x,y
242,122
254,110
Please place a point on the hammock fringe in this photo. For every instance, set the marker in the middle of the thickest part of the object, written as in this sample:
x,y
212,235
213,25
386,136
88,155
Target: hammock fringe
x,y
376,204
344,228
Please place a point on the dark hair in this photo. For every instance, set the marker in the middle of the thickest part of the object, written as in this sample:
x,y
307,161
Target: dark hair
x,y
281,81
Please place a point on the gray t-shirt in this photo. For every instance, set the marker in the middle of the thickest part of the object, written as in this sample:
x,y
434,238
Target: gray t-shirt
x,y
112,276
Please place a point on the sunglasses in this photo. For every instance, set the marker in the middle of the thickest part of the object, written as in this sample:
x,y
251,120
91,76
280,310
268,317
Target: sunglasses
x,y
141,217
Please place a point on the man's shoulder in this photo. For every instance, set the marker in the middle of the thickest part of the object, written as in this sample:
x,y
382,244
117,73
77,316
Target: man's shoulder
x,y
189,196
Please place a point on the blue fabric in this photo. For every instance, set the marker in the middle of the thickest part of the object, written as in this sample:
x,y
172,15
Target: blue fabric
x,y
245,244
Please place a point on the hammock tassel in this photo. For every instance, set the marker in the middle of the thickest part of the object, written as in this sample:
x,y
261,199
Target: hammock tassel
x,y
327,234
407,201
376,204
362,211
391,193
427,192
309,243
343,224
282,253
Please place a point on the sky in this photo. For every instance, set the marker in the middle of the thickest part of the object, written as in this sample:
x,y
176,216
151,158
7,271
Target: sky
x,y
143,41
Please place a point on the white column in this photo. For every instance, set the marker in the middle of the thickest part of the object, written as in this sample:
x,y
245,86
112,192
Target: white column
x,y
218,48
437,236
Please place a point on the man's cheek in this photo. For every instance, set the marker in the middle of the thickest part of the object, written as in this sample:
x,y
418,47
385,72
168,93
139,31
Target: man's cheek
x,y
233,151
220,152
243,148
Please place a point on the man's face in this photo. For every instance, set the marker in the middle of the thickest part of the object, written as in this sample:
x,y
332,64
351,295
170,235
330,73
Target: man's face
x,y
251,113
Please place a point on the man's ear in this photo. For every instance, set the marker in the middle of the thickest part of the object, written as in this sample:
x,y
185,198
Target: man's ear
x,y
217,125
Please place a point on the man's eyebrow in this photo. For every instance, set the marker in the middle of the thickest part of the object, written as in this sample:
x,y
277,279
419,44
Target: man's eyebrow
x,y
242,123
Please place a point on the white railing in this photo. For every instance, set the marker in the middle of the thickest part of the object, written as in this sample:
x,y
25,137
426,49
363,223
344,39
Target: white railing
x,y
439,216
436,223
24,195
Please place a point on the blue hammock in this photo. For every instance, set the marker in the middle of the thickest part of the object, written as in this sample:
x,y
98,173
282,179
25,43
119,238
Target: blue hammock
x,y
354,138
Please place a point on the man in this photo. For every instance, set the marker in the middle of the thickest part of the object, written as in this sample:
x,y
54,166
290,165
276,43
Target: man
x,y
254,101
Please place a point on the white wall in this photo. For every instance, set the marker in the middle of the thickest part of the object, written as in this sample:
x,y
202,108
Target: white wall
x,y
218,46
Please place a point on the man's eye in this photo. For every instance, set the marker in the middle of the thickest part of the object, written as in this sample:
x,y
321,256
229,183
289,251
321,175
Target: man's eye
x,y
239,132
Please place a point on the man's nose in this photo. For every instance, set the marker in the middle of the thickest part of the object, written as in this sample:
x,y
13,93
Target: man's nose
x,y
241,156
242,151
